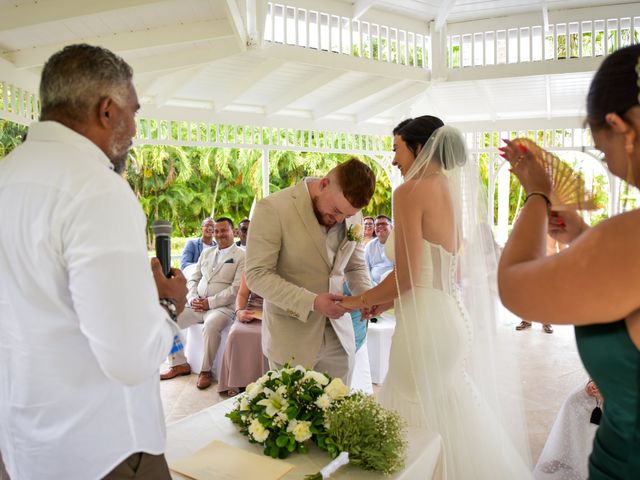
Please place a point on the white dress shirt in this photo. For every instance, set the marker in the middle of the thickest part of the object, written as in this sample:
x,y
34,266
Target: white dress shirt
x,y
81,332
378,263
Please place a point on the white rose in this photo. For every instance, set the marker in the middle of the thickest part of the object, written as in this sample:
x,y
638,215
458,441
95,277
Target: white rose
x,y
357,230
244,403
258,432
254,389
336,389
320,378
324,401
300,429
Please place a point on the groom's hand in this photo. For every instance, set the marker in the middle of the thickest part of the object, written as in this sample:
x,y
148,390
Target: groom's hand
x,y
325,303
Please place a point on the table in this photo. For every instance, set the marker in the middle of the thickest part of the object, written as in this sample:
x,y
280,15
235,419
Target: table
x,y
425,459
379,338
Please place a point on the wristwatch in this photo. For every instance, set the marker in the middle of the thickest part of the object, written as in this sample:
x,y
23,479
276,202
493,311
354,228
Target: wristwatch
x,y
170,306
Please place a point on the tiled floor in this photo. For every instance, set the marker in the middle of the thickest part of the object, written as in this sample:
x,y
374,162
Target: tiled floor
x,y
549,365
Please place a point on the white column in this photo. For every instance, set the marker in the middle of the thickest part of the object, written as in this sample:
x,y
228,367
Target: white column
x,y
265,172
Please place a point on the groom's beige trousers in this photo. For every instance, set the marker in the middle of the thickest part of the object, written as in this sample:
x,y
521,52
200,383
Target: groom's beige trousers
x,y
331,359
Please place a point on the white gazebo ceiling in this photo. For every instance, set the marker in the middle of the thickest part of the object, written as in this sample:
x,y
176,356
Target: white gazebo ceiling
x,y
208,60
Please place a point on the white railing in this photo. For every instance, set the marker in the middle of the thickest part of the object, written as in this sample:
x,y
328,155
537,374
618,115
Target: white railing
x,y
18,104
243,136
338,34
579,39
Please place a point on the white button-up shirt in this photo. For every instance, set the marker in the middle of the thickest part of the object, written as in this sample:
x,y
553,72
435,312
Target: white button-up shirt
x,y
377,261
81,332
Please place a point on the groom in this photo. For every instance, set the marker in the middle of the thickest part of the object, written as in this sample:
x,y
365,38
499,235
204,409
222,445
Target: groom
x,y
300,251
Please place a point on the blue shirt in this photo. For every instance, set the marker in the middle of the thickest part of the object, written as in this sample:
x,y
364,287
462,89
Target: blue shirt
x,y
192,250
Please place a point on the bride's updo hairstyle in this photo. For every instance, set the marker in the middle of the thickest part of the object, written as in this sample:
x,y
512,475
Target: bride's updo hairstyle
x,y
416,131
615,88
440,143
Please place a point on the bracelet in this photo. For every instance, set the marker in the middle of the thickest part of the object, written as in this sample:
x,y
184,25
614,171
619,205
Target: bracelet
x,y
363,299
170,306
543,195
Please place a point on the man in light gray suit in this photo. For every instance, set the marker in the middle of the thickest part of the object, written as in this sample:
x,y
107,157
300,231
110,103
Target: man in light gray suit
x,y
300,251
213,288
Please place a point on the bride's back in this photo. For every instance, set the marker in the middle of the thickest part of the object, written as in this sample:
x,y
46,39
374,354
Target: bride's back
x,y
432,196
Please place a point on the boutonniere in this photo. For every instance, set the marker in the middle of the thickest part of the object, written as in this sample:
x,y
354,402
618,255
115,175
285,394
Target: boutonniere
x,y
354,233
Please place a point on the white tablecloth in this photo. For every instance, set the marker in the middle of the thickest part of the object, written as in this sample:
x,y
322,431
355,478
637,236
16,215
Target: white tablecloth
x,y
379,338
424,461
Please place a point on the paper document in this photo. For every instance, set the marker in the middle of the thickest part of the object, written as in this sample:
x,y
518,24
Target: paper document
x,y
219,461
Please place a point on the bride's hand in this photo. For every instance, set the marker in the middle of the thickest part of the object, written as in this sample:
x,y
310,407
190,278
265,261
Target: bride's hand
x,y
352,303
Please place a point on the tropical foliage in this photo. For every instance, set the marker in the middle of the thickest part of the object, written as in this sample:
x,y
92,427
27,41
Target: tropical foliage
x,y
186,184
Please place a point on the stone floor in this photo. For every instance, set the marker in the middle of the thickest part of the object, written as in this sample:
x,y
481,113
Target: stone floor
x,y
549,365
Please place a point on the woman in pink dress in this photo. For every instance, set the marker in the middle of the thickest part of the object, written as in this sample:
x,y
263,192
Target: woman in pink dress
x,y
243,361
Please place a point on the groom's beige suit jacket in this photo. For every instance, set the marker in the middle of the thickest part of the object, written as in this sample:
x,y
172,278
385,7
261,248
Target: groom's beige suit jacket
x,y
288,265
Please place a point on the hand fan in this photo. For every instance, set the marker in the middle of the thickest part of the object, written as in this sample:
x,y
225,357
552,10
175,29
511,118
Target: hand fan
x,y
568,191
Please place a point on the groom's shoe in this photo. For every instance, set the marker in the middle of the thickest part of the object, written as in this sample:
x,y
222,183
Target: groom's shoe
x,y
523,325
176,370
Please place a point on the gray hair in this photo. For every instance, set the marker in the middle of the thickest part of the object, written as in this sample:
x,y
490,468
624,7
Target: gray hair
x,y
77,77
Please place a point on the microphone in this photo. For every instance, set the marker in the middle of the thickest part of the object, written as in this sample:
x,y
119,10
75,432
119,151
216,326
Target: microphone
x,y
162,236
162,233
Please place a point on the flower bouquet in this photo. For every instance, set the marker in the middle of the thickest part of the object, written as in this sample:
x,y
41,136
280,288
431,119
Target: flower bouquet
x,y
284,409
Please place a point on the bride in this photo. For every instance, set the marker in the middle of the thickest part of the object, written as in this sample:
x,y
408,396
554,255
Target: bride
x,y
442,373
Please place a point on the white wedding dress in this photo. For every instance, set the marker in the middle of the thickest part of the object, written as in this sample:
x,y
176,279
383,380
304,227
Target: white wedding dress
x,y
427,382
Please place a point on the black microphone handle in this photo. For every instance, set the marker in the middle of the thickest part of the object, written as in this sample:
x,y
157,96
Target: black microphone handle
x,y
163,252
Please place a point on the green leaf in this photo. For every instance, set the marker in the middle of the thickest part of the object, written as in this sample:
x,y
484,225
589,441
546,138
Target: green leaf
x,y
282,441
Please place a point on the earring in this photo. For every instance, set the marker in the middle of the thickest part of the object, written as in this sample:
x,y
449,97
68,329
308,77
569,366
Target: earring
x,y
629,148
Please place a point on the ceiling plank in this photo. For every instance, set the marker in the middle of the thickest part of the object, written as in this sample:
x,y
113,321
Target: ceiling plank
x,y
250,79
38,13
408,91
235,17
547,94
173,82
312,83
485,95
128,41
360,7
354,95
189,57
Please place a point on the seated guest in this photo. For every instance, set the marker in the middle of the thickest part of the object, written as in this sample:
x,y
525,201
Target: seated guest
x,y
243,361
194,247
243,231
369,233
213,287
377,262
565,455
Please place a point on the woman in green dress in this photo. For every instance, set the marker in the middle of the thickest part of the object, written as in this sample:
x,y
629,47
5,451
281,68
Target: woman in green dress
x,y
595,283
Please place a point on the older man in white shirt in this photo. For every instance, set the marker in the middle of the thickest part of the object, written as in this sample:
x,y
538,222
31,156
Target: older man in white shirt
x,y
83,331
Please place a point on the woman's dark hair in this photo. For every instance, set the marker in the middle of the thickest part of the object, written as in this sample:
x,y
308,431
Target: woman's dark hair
x,y
614,88
416,131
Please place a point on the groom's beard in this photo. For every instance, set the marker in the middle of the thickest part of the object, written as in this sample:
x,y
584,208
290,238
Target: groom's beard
x,y
324,220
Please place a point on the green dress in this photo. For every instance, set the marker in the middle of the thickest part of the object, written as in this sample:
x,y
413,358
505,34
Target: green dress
x,y
613,361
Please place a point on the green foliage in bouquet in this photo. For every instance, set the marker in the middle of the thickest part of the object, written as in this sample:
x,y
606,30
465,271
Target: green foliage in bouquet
x,y
374,436
285,408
